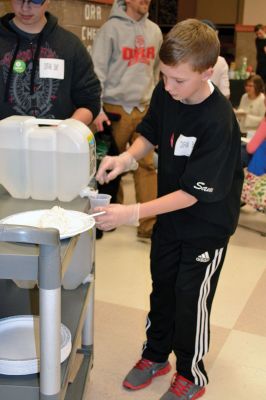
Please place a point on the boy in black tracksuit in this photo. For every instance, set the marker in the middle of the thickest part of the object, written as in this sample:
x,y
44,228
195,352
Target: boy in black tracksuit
x,y
199,186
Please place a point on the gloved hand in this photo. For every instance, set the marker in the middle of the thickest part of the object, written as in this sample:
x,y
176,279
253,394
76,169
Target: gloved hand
x,y
115,165
116,215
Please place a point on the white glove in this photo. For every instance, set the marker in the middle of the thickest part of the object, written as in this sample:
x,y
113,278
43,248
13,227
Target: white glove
x,y
115,165
116,215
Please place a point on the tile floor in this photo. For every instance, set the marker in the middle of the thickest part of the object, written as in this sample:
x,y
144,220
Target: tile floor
x,y
236,362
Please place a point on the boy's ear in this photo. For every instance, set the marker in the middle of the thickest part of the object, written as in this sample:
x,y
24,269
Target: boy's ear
x,y
207,74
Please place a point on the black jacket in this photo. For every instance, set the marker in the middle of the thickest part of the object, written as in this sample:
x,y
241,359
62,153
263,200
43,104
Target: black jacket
x,y
261,58
24,92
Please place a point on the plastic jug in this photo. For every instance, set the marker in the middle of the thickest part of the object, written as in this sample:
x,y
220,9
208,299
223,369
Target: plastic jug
x,y
45,159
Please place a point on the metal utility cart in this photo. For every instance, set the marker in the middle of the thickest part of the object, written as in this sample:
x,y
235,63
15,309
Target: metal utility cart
x,y
37,254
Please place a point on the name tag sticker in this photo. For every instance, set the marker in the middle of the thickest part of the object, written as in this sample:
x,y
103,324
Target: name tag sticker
x,y
52,68
184,145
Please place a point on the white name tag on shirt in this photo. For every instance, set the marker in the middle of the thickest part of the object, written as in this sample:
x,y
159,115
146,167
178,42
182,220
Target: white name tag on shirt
x,y
184,145
52,68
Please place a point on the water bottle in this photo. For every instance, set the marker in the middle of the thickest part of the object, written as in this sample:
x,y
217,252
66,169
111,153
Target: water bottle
x,y
243,69
232,70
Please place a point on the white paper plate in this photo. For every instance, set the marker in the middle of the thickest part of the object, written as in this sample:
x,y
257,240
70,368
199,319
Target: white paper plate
x,y
20,347
78,222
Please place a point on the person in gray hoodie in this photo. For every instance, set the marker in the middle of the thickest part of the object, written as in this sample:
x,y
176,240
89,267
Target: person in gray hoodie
x,y
125,57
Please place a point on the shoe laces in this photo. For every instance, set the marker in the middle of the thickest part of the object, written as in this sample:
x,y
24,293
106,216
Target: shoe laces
x,y
180,385
143,363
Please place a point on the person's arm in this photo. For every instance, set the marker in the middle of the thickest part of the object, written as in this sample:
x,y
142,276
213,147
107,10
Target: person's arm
x,y
170,202
111,167
140,147
99,120
257,139
84,115
117,214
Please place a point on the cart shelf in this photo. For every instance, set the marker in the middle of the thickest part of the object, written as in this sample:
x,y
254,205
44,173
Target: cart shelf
x,y
21,261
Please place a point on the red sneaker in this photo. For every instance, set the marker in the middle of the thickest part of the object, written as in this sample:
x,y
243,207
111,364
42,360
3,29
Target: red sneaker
x,y
183,389
144,371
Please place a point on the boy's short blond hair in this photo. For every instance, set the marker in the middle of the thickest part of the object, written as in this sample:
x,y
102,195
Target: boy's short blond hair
x,y
191,41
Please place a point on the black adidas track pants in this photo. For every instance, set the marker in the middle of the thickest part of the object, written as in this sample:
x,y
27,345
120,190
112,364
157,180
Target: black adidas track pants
x,y
184,280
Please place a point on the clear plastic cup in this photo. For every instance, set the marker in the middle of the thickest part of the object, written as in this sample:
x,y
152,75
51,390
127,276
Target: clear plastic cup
x,y
99,200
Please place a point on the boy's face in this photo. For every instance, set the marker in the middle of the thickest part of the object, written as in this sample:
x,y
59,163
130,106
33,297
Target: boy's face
x,y
28,14
183,83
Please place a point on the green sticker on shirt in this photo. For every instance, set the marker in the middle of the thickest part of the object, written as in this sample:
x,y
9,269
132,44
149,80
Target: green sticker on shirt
x,y
19,66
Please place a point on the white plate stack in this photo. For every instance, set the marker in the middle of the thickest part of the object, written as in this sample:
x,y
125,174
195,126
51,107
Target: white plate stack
x,y
20,347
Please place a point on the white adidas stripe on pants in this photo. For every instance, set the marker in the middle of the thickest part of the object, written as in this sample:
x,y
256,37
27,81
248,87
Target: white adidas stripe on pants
x,y
202,335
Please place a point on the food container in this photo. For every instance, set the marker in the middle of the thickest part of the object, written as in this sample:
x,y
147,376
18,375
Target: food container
x,y
45,159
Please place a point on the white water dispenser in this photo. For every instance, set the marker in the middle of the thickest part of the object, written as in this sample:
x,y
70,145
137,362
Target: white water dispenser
x,y
46,159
